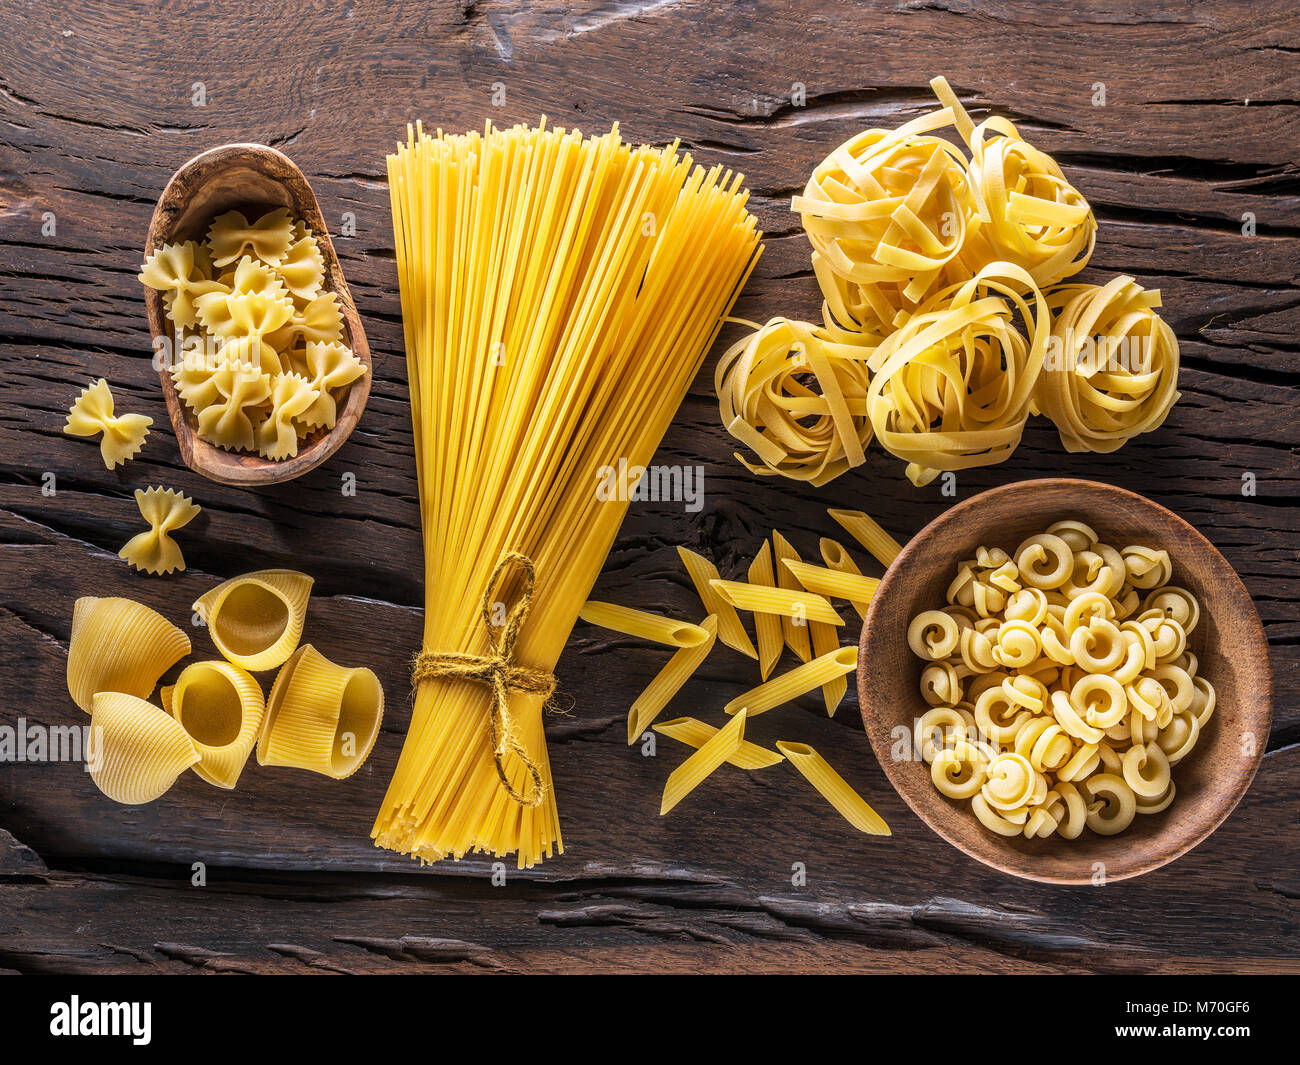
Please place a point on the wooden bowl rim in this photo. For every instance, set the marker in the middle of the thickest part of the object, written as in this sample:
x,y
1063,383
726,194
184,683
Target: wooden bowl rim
x,y
1256,714
245,469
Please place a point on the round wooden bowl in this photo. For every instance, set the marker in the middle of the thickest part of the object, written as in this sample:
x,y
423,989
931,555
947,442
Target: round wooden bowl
x,y
1228,642
252,178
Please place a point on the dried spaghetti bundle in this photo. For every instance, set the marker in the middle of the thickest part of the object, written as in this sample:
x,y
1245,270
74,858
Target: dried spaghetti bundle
x,y
558,296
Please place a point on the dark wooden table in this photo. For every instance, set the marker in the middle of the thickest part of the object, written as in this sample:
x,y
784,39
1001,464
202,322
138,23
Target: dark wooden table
x,y
1196,142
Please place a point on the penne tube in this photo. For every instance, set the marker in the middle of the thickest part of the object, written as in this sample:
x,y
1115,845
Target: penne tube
x,y
799,681
731,630
780,601
825,641
695,733
836,557
642,624
691,773
834,788
864,529
795,635
831,583
650,703
767,627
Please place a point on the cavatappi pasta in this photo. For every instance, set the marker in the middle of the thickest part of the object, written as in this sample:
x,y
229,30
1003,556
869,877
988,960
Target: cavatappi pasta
x,y
939,268
261,361
1061,687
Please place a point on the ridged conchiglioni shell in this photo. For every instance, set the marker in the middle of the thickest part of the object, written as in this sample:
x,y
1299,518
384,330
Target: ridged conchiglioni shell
x,y
256,620
321,716
138,748
220,706
119,645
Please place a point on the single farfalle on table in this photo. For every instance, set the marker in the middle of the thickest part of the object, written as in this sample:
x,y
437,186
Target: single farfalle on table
x,y
255,318
154,550
93,412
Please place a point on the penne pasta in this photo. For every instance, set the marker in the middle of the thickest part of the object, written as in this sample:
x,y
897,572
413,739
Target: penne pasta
x,y
691,773
779,601
799,681
669,681
834,788
837,558
831,583
795,634
642,624
864,529
695,733
731,630
767,627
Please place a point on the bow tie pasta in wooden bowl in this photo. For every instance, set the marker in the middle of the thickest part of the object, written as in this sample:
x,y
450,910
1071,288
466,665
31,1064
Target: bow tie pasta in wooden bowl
x,y
263,361
1065,681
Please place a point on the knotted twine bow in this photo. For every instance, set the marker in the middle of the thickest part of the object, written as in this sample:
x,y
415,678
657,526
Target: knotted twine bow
x,y
499,671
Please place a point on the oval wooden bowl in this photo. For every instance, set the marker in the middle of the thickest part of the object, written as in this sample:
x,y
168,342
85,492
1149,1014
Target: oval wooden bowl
x,y
252,178
1229,643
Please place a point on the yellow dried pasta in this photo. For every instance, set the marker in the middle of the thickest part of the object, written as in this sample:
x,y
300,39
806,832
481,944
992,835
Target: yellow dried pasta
x,y
256,619
833,788
767,627
183,273
119,645
220,706
786,604
140,748
766,404
93,412
867,531
269,238
833,583
717,749
1060,696
798,681
321,716
839,560
291,398
650,703
731,630
696,733
154,550
1112,372
642,624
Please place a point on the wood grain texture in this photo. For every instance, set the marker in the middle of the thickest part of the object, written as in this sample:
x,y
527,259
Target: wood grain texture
x,y
96,113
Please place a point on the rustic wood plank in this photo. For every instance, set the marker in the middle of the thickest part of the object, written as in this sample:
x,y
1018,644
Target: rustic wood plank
x,y
95,114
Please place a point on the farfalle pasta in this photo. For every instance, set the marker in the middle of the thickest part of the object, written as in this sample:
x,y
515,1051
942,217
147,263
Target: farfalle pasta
x,y
1060,687
262,362
154,550
93,412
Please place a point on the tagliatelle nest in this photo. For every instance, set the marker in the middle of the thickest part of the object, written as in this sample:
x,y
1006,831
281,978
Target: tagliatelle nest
x,y
767,404
928,263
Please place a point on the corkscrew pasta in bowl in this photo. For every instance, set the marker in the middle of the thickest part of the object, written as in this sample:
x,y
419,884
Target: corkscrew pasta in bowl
x,y
1065,681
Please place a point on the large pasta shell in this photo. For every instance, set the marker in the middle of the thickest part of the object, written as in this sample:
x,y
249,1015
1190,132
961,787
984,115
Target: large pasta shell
x,y
119,645
220,706
321,716
138,749
256,620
